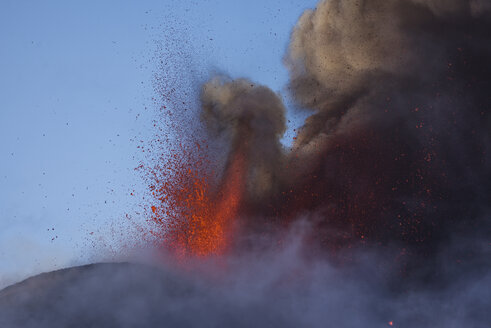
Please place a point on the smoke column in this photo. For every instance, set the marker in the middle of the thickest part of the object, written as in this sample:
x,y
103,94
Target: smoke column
x,y
396,150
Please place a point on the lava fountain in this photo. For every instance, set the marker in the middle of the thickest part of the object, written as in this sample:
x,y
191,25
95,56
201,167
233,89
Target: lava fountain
x,y
193,217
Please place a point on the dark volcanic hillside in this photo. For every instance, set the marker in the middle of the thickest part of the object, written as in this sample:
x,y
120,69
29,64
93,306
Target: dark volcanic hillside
x,y
270,292
103,295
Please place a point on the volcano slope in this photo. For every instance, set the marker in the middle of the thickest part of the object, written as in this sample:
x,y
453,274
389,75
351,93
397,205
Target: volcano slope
x,y
102,295
263,290
93,295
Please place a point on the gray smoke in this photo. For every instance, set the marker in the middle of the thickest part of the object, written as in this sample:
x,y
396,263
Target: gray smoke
x,y
275,288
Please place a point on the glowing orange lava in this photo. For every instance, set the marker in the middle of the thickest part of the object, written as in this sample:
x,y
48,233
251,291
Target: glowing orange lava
x,y
210,225
196,220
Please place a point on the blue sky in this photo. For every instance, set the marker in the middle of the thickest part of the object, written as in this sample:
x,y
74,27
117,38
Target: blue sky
x,y
75,78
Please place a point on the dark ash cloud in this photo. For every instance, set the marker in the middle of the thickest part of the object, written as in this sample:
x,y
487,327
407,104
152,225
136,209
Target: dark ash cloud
x,y
397,149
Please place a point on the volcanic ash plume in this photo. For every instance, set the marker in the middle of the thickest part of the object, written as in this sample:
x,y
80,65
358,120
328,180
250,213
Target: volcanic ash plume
x,y
253,118
397,147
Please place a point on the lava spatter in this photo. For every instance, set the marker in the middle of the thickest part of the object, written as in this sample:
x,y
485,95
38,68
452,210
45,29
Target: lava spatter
x,y
193,214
